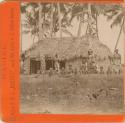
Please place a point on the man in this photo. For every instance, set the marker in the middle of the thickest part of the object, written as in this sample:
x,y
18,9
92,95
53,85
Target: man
x,y
117,57
116,61
91,64
57,67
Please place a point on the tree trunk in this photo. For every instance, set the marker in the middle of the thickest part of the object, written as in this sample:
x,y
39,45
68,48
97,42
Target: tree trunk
x,y
79,29
80,23
41,32
89,24
59,15
89,12
97,26
89,18
119,35
51,23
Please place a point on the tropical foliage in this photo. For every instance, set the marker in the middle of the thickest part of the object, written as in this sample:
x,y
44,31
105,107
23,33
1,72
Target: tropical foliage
x,y
116,13
52,18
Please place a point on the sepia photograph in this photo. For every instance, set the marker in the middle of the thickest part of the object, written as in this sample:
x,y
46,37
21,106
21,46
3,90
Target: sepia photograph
x,y
71,58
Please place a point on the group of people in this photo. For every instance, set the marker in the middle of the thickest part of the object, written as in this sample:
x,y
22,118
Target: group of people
x,y
90,66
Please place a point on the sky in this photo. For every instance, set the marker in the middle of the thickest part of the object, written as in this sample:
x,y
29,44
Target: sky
x,y
107,35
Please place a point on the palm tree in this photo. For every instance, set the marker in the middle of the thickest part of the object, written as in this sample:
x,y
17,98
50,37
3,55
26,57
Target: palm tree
x,y
92,11
61,22
116,13
81,21
44,17
78,11
30,24
35,22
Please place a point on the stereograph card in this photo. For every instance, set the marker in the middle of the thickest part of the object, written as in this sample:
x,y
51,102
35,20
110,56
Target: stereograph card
x,y
62,61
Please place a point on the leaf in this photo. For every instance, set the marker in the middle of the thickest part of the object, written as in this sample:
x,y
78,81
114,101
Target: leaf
x,y
118,20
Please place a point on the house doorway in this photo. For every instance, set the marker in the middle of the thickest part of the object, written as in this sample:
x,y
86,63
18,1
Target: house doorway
x,y
62,64
35,66
50,63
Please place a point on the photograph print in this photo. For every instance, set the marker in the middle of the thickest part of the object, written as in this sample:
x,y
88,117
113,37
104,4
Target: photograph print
x,y
71,58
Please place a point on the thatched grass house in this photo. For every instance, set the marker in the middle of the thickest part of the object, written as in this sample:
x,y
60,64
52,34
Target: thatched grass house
x,y
70,51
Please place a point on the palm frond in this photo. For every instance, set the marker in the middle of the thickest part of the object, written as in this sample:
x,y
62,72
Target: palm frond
x,y
112,15
118,20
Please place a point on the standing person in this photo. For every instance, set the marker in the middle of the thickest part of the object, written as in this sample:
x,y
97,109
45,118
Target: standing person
x,y
91,57
116,61
91,62
57,67
117,57
42,68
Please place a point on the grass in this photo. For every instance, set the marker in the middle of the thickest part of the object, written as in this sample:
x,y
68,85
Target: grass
x,y
79,94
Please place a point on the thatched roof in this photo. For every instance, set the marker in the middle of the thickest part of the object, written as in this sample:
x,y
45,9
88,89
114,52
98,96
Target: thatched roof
x,y
86,43
67,47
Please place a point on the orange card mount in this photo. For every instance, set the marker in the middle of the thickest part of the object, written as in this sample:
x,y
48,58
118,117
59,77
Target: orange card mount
x,y
23,99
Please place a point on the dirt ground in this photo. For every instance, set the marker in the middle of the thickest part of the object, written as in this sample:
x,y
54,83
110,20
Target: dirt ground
x,y
78,94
